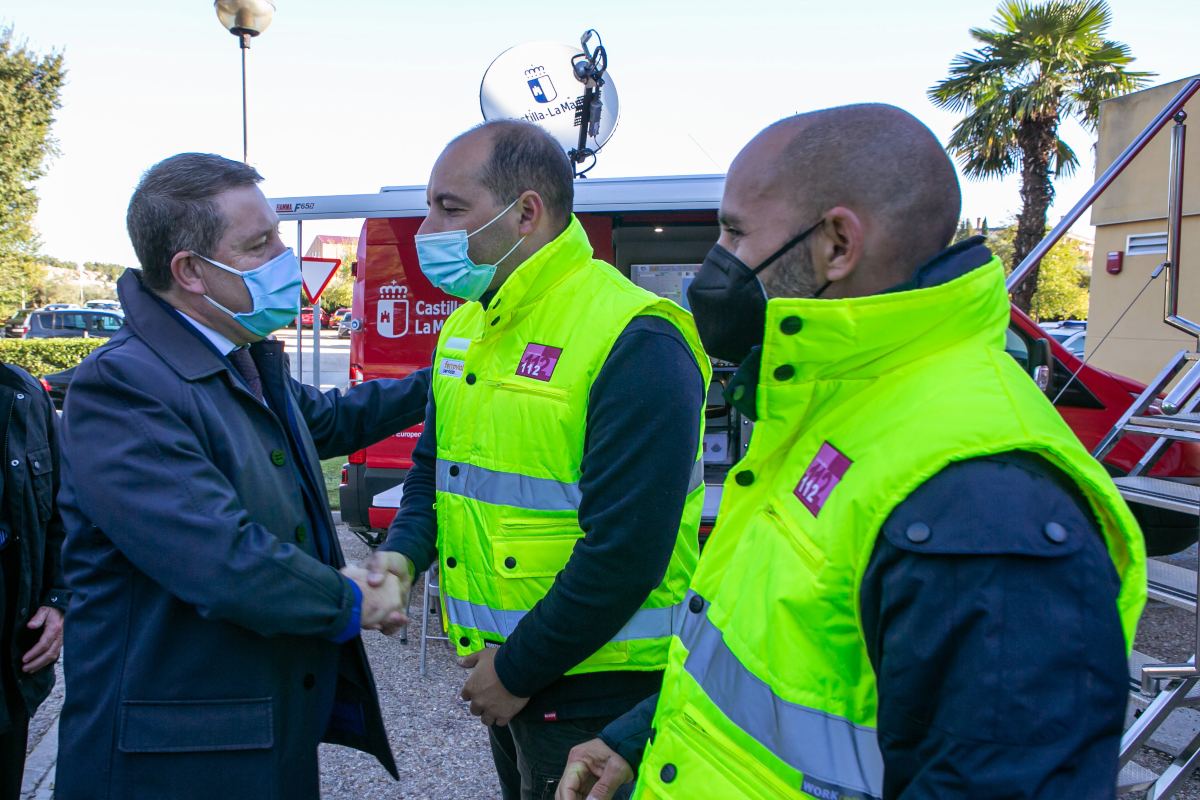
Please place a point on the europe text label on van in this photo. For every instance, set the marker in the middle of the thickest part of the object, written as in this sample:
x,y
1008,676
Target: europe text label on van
x,y
822,475
539,361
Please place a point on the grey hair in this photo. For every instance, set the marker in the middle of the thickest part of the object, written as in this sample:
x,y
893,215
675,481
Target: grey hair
x,y
173,209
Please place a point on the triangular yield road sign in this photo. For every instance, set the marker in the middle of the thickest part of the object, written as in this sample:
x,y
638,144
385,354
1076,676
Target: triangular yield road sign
x,y
316,273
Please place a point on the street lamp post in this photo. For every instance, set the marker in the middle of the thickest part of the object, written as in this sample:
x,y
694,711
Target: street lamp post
x,y
245,19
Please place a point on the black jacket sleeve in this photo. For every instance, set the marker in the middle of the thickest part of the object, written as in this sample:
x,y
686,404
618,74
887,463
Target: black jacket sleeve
x,y
341,423
413,532
995,639
629,733
641,443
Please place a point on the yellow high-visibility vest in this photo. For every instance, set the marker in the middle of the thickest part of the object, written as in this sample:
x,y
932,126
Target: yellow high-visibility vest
x,y
511,385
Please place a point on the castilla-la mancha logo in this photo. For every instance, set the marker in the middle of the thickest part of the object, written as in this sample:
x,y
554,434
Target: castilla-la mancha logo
x,y
391,318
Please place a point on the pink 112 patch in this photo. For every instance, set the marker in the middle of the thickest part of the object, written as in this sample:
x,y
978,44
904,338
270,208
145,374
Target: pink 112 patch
x,y
822,475
538,361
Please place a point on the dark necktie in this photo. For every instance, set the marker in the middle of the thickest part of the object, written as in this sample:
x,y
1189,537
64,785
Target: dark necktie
x,y
244,364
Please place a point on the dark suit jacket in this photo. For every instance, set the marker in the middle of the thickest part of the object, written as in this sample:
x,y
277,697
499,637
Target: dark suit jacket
x,y
199,653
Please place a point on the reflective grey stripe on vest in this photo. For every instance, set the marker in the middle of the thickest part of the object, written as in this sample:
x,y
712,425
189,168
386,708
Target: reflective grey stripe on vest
x,y
646,623
520,491
838,758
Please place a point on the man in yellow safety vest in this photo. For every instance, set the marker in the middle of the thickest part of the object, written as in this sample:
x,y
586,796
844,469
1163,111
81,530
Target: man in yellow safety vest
x,y
920,584
558,481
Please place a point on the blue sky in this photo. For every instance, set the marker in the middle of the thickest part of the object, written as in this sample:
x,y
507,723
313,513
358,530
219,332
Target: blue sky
x,y
348,96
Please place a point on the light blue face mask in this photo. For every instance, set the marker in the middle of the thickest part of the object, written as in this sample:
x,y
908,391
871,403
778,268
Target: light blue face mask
x,y
274,293
444,260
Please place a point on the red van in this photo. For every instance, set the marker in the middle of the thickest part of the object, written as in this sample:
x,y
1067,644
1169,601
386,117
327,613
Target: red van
x,y
656,231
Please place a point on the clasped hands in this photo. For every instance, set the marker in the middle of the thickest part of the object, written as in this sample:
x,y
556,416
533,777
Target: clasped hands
x,y
385,580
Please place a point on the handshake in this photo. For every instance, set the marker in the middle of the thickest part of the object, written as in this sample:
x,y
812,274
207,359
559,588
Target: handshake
x,y
385,580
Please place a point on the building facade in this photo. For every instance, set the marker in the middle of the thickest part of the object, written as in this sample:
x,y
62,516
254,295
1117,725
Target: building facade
x,y
1131,228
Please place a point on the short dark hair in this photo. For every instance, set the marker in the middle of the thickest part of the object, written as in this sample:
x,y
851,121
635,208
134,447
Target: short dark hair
x,y
172,209
525,156
882,158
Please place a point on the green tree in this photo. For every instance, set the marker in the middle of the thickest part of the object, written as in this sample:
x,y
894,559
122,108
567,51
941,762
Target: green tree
x,y
30,91
1043,63
106,271
1063,280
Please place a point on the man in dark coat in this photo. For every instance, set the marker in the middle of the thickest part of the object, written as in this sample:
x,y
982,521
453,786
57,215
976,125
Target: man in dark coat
x,y
32,593
213,642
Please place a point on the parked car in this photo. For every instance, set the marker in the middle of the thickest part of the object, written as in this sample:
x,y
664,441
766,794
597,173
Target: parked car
x,y
306,317
336,317
344,327
74,322
56,384
1076,343
18,325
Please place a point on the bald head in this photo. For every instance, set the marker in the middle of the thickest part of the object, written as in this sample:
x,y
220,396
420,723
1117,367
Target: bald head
x,y
875,161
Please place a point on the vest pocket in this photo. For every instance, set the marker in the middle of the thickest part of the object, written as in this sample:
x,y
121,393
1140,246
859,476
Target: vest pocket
x,y
527,555
702,764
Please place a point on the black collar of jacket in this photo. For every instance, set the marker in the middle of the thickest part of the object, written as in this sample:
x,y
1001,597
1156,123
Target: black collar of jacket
x,y
158,325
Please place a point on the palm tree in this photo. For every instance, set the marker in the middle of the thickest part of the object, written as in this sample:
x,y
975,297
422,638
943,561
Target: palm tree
x,y
1043,63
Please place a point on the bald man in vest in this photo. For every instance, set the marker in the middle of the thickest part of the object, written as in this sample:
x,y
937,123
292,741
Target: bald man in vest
x,y
920,584
558,480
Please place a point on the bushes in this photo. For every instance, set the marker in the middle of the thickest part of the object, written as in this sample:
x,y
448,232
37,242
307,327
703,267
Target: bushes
x,y
40,357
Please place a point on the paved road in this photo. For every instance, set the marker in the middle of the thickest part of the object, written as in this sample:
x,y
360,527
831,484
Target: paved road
x,y
335,357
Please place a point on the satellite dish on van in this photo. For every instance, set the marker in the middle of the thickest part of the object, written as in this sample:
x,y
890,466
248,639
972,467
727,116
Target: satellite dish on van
x,y
546,83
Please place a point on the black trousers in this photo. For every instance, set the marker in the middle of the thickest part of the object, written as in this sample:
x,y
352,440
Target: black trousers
x,y
12,758
530,756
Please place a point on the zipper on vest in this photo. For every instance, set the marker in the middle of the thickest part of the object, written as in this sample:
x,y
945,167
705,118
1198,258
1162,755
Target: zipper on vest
x,y
520,387
803,546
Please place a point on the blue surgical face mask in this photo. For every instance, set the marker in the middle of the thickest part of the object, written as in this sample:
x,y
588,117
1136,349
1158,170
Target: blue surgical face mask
x,y
444,260
274,292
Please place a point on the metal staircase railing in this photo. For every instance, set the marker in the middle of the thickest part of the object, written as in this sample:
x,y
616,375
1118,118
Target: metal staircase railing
x,y
1179,420
1176,418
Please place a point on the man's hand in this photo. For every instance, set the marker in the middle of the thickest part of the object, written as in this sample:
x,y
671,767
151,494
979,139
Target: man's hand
x,y
379,603
49,645
379,566
594,772
489,699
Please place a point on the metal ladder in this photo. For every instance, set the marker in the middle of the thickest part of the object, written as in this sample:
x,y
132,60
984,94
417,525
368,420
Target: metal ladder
x,y
1167,583
1178,422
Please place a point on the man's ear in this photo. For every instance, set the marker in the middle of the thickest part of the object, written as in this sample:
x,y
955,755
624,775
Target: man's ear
x,y
185,268
842,243
532,210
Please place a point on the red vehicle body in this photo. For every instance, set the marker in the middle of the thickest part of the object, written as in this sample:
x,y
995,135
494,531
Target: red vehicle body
x,y
635,224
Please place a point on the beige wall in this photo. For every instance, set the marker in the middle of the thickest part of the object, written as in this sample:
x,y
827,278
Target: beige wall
x,y
1137,203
